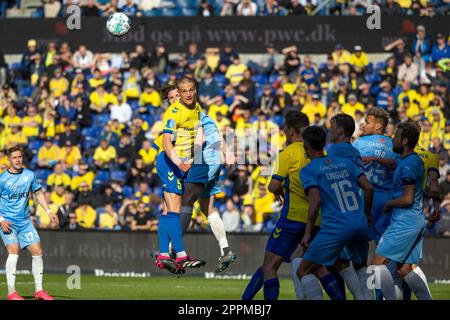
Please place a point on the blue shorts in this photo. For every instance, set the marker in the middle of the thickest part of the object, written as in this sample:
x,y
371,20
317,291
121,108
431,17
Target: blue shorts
x,y
401,244
380,219
329,243
172,178
208,175
23,233
285,238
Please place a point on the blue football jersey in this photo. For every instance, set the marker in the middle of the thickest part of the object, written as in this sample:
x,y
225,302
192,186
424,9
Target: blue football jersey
x,y
213,139
347,151
410,171
14,191
342,204
381,147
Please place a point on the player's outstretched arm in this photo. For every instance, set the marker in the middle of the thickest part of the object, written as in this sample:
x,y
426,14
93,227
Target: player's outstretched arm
x,y
367,187
406,199
313,212
40,197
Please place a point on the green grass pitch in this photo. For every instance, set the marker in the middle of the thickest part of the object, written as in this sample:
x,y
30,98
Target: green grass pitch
x,y
158,287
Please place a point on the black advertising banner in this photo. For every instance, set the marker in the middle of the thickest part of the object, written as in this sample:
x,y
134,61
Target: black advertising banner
x,y
246,34
127,254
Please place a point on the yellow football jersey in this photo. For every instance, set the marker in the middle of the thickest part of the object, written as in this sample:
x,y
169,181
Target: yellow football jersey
x,y
430,162
287,168
183,123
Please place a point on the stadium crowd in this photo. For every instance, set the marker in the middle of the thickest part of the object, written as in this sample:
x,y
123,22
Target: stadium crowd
x,y
208,8
87,120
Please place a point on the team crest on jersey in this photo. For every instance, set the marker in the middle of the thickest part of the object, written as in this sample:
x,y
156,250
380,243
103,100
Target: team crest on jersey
x,y
170,123
382,140
25,179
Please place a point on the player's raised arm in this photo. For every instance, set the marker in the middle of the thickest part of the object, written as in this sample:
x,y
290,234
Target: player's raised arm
x,y
368,196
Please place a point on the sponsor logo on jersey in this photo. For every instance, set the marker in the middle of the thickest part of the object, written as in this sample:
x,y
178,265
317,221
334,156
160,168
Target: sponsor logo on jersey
x,y
18,195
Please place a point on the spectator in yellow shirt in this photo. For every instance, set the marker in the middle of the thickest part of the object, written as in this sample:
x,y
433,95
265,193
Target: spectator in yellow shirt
x,y
58,195
446,140
78,82
411,94
58,177
222,122
84,176
342,58
437,125
104,155
97,79
70,155
58,84
31,123
352,105
48,154
264,204
2,136
157,127
100,99
315,106
150,97
109,218
86,216
235,71
425,97
16,137
359,59
412,109
11,119
425,138
147,153
4,162
217,105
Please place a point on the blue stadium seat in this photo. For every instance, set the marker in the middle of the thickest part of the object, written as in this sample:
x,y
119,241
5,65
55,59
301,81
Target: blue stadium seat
x,y
171,12
16,66
188,3
260,78
119,176
220,79
90,142
189,12
258,92
42,175
101,177
26,91
380,65
153,13
35,145
134,104
127,191
92,132
273,78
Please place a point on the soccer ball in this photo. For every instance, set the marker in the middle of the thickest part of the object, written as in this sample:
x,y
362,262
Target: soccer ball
x,y
118,24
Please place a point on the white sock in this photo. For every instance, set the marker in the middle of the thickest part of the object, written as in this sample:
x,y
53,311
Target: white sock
x,y
352,282
218,229
418,284
295,263
363,277
311,287
181,254
421,274
386,282
11,264
37,268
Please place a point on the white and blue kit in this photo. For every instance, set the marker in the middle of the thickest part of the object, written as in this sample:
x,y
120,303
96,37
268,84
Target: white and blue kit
x,y
206,171
381,177
402,240
14,191
344,223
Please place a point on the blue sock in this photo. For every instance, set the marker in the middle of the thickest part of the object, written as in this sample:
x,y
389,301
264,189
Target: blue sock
x,y
163,236
340,281
175,232
255,284
378,295
331,287
271,289
406,291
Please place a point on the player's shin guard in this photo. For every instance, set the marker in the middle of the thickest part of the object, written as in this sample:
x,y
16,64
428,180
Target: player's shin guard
x,y
363,277
352,282
331,287
255,284
218,229
386,282
11,264
417,281
163,235
271,289
311,287
185,217
392,267
295,263
174,231
37,268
